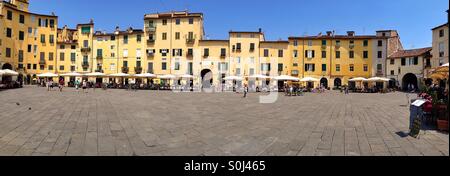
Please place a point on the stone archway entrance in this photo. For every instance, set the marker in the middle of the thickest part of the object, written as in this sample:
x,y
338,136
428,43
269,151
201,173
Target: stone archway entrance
x,y
409,82
207,78
7,66
324,82
337,83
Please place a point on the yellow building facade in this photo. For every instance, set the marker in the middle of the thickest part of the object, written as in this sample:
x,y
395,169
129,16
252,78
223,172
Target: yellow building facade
x,y
174,43
28,42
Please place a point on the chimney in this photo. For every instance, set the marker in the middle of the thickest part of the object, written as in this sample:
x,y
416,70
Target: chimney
x,y
351,33
329,33
260,30
91,21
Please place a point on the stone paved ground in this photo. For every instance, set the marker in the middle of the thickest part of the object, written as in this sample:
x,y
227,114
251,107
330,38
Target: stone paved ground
x,y
118,122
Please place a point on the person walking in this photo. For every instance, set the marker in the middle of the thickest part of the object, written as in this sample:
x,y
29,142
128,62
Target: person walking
x,y
84,86
61,84
245,90
77,84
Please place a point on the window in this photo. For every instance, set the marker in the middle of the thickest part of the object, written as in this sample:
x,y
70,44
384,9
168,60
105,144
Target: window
x,y
338,43
50,56
150,67
125,39
280,67
352,43
139,38
42,54
324,54
310,42
295,42
99,52
366,67
9,15
177,52
61,67
62,47
190,52
352,67
238,71
441,49
338,54
30,32
164,36
223,52
164,52
324,42
164,66
61,56
72,57
379,68
22,19
73,47
238,46
8,52
8,32
310,67
295,53
177,65
86,30
34,66
392,72
265,67
42,67
21,35
29,48
113,38
238,60
380,42
191,20
365,54
85,43
177,21
52,39
177,35
366,43
380,54
266,53
280,53
324,67
351,54
20,55
206,52
416,60
295,64
338,67
191,35
29,66
309,54
42,38
392,62
50,67
164,22
403,61
52,23
441,33
125,63
252,46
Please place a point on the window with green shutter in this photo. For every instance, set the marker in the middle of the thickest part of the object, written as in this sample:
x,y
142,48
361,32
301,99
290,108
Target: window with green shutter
x,y
86,30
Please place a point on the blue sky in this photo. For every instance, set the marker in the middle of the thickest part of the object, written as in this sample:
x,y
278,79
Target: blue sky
x,y
279,19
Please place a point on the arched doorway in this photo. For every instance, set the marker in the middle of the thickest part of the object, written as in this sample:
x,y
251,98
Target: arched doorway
x,y
7,66
392,83
207,78
324,82
409,82
337,83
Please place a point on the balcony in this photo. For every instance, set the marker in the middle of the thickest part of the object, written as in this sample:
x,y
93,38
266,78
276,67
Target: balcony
x,y
99,70
190,41
138,70
99,57
150,41
150,55
85,49
42,62
150,29
85,64
223,55
125,69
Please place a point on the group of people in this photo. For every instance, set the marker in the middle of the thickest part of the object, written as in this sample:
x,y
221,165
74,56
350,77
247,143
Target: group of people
x,y
50,84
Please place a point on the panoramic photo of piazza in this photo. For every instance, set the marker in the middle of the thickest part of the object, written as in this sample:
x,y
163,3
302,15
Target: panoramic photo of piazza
x,y
166,89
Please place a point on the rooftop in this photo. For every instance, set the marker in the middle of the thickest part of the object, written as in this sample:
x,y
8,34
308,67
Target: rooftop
x,y
411,52
446,24
172,14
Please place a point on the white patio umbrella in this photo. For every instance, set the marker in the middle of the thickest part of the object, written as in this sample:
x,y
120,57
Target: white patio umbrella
x,y
286,78
8,72
95,74
47,75
309,79
72,74
233,78
169,76
186,76
445,65
146,75
358,79
377,79
258,77
119,75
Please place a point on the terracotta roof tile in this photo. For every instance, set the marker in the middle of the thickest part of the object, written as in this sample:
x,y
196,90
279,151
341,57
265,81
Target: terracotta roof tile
x,y
410,53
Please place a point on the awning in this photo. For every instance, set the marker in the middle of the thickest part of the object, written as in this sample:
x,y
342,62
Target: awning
x,y
309,79
119,75
8,72
47,75
378,79
233,78
146,75
258,77
167,77
186,76
95,74
286,78
358,79
72,74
